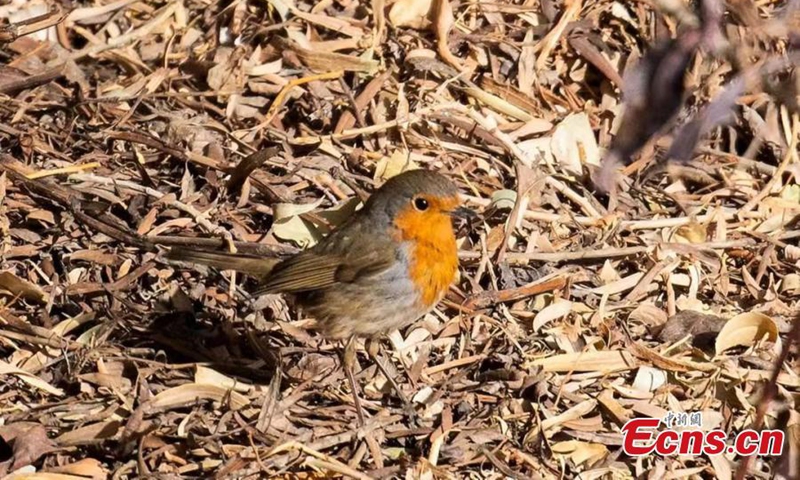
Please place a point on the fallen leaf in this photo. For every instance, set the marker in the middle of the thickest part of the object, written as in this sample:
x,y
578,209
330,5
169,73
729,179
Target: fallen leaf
x,y
411,13
89,434
29,442
11,284
621,285
745,330
499,104
503,199
207,376
600,361
580,452
692,232
558,309
790,284
192,392
290,226
397,163
84,468
320,61
649,379
574,145
29,378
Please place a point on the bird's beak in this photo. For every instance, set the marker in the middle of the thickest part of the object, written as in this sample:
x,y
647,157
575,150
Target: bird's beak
x,y
463,212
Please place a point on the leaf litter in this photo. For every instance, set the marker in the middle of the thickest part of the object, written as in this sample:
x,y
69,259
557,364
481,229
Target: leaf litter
x,y
634,164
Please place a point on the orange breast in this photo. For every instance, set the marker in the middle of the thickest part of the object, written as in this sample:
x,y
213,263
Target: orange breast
x,y
433,252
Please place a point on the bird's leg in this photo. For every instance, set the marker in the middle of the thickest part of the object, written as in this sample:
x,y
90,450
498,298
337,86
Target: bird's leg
x,y
373,350
348,361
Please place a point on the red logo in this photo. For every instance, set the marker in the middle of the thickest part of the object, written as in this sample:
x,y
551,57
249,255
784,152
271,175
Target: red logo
x,y
642,437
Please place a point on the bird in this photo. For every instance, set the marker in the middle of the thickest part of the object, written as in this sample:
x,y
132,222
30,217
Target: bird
x,y
388,265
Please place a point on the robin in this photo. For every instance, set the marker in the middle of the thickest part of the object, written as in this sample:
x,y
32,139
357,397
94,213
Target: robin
x,y
389,264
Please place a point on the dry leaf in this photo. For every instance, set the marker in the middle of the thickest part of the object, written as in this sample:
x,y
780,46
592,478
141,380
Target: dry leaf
x,y
290,226
559,309
525,64
580,452
574,144
600,361
337,215
8,369
503,199
398,162
206,376
412,13
29,442
621,285
11,284
608,274
619,413
745,330
192,392
84,468
319,61
649,379
499,104
693,232
790,284
552,425
89,434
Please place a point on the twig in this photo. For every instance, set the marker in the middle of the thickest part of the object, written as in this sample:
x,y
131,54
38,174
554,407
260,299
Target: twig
x,y
770,391
459,362
11,32
277,103
329,462
527,158
13,86
491,297
63,170
199,217
121,40
553,257
628,225
581,201
551,39
158,144
86,13
791,156
357,132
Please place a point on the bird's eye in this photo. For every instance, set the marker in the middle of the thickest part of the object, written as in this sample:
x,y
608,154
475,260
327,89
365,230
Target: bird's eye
x,y
420,204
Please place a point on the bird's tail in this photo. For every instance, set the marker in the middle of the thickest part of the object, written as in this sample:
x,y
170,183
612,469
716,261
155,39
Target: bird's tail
x,y
255,266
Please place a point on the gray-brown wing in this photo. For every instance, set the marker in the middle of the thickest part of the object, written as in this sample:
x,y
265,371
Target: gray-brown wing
x,y
314,270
